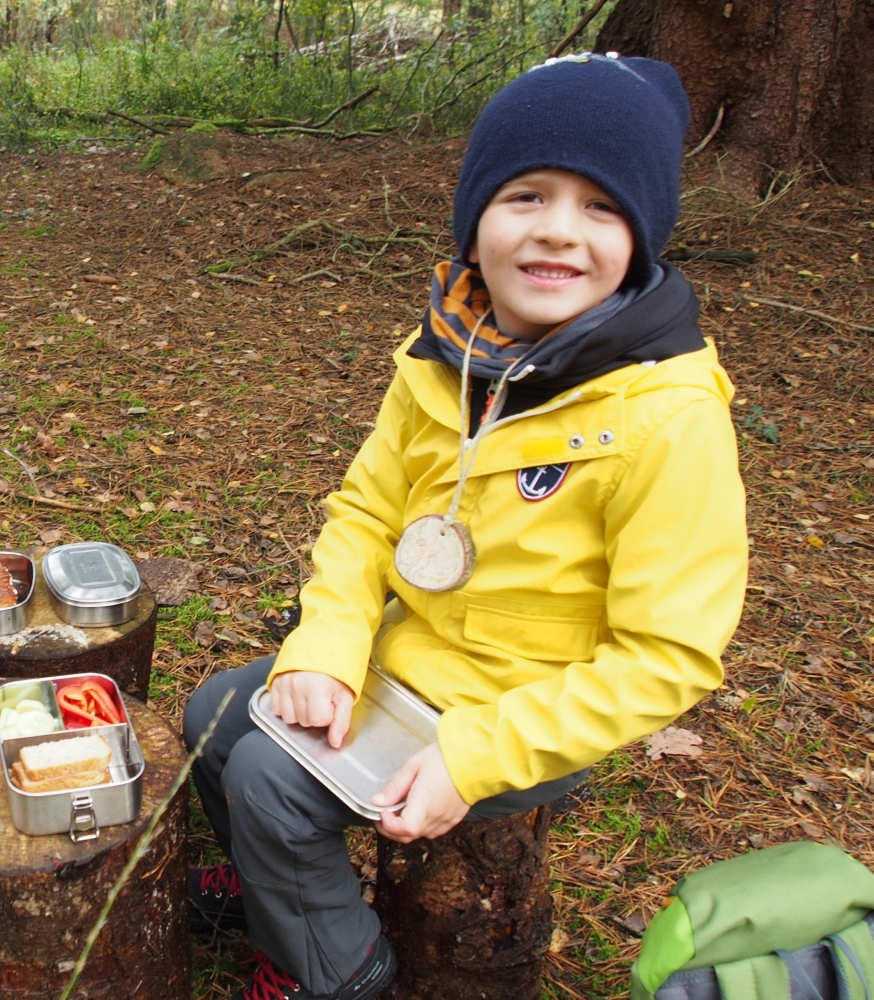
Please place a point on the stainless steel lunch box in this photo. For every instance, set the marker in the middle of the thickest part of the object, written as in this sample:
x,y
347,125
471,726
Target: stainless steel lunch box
x,y
92,583
389,725
81,812
23,574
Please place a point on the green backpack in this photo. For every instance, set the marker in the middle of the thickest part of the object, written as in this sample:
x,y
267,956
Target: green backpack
x,y
792,922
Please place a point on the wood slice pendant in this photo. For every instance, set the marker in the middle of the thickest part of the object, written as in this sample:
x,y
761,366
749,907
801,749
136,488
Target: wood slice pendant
x,y
435,553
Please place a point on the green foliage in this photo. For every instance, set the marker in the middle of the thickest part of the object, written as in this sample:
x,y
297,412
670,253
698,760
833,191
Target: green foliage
x,y
218,62
757,422
153,155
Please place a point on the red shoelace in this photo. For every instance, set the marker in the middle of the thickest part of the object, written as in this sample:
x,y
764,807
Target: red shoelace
x,y
219,880
269,982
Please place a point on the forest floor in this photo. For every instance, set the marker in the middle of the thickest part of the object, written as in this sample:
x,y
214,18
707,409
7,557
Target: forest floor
x,y
177,413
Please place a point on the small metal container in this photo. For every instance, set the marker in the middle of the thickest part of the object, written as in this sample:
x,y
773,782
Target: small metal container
x,y
23,573
81,812
92,583
389,725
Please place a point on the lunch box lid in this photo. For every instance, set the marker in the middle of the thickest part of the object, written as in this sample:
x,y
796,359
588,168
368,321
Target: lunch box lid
x,y
91,574
389,724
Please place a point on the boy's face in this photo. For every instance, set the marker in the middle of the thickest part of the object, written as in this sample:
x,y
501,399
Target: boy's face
x,y
550,245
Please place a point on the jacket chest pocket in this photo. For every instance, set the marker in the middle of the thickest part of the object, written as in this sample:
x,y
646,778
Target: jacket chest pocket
x,y
536,636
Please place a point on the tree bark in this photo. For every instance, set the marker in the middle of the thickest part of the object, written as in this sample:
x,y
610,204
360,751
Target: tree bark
x,y
794,79
470,913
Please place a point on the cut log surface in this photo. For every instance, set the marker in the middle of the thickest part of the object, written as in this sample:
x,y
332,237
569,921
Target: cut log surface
x,y
49,647
469,913
52,890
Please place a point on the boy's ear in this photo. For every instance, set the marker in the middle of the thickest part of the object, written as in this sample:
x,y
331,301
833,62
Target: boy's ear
x,y
473,254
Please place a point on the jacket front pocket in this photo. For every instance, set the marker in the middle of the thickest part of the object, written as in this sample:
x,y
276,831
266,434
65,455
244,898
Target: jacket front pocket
x,y
535,637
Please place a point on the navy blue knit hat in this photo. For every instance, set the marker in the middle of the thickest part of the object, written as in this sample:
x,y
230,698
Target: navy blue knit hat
x,y
618,122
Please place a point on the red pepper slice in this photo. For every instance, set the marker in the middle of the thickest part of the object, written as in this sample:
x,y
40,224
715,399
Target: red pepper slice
x,y
104,705
72,703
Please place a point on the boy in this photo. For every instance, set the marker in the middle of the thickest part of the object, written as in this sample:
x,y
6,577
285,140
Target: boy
x,y
567,571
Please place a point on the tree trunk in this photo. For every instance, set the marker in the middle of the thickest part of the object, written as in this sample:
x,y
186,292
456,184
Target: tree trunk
x,y
451,8
470,913
794,79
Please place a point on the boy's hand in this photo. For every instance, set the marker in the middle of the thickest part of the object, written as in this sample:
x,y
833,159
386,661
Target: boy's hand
x,y
433,806
312,699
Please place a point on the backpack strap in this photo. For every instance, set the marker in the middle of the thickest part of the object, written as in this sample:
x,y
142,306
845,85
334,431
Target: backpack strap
x,y
765,977
853,958
797,972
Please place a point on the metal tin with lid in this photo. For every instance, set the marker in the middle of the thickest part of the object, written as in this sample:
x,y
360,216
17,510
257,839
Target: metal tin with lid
x,y
389,725
23,575
92,583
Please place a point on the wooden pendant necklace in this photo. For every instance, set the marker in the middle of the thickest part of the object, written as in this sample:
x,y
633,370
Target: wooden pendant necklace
x,y
435,552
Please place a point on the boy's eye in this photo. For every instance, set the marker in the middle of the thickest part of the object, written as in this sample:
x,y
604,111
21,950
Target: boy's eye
x,y
604,206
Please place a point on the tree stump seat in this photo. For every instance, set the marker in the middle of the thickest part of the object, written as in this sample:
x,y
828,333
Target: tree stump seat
x,y
470,913
52,890
48,647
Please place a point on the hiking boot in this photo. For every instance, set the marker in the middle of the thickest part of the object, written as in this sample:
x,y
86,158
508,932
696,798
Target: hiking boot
x,y
376,974
215,900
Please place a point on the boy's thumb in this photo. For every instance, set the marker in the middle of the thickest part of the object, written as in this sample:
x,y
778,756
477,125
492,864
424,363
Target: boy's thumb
x,y
396,787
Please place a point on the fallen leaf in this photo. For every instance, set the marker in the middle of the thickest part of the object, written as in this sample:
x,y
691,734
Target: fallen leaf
x,y
818,784
815,541
863,517
559,941
675,743
46,445
51,536
785,725
812,829
135,411
801,797
129,511
102,279
155,450
634,923
147,507
854,774
204,634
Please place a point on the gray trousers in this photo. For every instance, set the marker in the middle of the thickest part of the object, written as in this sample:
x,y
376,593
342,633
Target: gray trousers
x,y
284,832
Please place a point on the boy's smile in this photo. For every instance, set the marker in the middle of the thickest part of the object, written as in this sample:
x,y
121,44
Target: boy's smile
x,y
550,245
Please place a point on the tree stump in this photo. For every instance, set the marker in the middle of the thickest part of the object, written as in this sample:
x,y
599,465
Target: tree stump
x,y
470,913
52,890
48,647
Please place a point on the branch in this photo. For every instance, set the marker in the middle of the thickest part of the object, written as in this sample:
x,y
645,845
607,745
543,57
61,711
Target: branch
x,y
136,121
809,312
581,25
722,256
348,106
714,128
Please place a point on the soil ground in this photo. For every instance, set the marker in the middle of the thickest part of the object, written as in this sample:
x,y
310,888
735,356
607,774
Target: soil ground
x,y
183,414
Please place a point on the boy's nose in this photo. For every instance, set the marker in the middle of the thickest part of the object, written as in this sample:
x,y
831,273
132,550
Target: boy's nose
x,y
556,226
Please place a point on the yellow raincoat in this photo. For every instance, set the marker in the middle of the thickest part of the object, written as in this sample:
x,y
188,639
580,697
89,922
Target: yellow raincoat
x,y
594,616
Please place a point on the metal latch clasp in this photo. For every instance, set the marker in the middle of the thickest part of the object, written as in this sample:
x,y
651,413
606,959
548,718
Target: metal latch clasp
x,y
83,821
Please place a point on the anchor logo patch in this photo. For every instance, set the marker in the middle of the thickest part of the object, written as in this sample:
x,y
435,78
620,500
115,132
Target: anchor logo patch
x,y
540,481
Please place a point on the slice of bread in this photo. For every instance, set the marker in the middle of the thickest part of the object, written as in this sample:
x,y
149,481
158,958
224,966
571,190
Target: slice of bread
x,y
59,758
82,779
